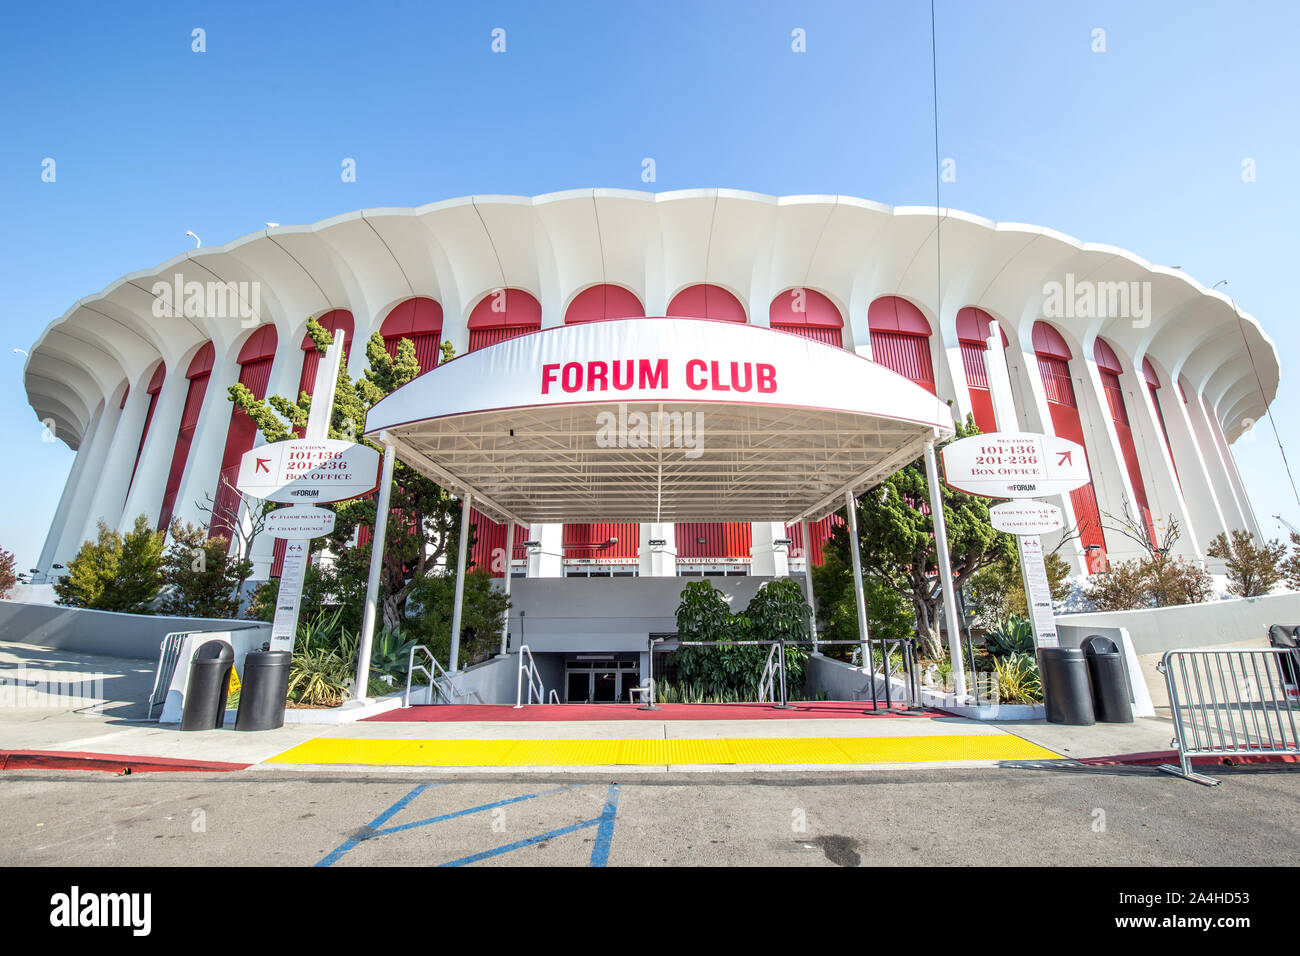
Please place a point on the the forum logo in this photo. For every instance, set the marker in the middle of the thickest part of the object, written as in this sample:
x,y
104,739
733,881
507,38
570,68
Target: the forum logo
x,y
208,300
1085,299
651,430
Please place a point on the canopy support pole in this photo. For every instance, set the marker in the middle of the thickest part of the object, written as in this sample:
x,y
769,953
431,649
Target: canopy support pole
x,y
945,570
851,507
808,582
360,691
460,581
510,553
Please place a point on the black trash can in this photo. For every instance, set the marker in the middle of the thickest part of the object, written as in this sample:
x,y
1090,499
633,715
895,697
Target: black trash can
x,y
1066,690
209,685
1110,686
265,686
1288,636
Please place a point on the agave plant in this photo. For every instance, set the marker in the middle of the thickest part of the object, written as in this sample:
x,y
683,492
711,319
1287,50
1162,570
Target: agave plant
x,y
1015,635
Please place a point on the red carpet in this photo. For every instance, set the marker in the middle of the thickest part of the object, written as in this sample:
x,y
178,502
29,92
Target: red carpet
x,y
109,763
803,709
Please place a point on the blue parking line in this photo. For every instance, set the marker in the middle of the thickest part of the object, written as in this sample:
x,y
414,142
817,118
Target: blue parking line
x,y
337,853
605,832
479,809
604,824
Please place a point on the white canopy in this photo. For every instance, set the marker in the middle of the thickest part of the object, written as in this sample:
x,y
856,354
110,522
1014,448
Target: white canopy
x,y
660,419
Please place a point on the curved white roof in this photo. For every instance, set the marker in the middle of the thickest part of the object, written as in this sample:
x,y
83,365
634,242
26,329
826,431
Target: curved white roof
x,y
458,250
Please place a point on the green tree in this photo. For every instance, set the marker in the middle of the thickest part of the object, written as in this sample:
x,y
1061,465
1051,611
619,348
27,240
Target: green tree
x,y
889,614
998,591
483,615
423,519
115,572
1253,569
1291,566
8,573
896,536
200,576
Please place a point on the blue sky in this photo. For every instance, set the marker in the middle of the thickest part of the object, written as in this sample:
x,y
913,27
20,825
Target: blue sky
x,y
1140,146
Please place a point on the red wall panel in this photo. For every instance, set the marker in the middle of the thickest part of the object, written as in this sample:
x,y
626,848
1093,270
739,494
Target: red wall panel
x,y
721,540
184,436
1055,373
591,540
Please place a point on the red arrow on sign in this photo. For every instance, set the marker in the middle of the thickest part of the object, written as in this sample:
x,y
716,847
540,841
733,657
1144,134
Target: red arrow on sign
x,y
261,465
1066,457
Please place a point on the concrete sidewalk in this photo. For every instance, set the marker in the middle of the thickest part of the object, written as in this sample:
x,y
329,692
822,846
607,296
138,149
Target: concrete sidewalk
x,y
106,715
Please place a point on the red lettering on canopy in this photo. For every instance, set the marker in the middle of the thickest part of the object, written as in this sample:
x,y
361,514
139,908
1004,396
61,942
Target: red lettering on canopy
x,y
692,367
655,376
766,377
548,376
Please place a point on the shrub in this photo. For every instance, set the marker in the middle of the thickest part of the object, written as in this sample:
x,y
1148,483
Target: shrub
x,y
483,614
201,578
1253,569
8,574
1159,581
1017,679
115,572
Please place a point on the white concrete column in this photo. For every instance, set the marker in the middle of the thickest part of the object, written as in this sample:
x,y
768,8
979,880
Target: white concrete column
x,y
768,559
204,461
510,550
145,496
458,602
808,583
81,521
945,572
1216,474
548,560
1163,484
52,552
658,560
855,552
1110,479
1207,518
1233,476
110,493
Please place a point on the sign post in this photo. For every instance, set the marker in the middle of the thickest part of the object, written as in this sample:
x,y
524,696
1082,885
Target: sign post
x,y
301,471
1021,465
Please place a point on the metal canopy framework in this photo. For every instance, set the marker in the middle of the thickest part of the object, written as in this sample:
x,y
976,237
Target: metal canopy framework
x,y
756,463
514,426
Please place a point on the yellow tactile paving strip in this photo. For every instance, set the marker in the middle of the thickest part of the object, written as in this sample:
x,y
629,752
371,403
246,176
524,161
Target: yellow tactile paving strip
x,y
657,752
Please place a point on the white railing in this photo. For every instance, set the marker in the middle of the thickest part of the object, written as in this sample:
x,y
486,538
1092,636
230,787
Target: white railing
x,y
169,652
441,684
535,688
767,683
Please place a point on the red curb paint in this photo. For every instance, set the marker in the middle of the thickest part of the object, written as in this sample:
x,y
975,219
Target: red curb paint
x,y
821,709
108,763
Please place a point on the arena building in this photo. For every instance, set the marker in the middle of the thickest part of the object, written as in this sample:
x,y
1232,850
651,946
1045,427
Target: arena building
x,y
1154,374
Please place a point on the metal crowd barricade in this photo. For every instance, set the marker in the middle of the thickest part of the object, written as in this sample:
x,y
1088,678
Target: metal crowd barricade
x,y
169,652
1230,703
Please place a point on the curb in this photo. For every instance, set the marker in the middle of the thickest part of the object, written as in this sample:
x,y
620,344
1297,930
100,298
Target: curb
x,y
1155,757
108,763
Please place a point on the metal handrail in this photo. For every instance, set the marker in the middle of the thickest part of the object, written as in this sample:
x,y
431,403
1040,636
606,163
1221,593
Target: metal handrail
x,y
553,697
435,674
534,679
767,682
1230,702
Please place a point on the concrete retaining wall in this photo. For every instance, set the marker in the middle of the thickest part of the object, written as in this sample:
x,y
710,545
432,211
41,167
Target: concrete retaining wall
x,y
1195,625
110,633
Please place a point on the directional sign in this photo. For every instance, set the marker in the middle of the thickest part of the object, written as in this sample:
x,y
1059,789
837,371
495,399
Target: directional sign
x,y
305,470
1026,517
1038,591
300,523
1015,465
284,626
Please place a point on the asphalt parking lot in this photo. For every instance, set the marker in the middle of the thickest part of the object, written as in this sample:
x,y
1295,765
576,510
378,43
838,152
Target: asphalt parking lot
x,y
993,816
